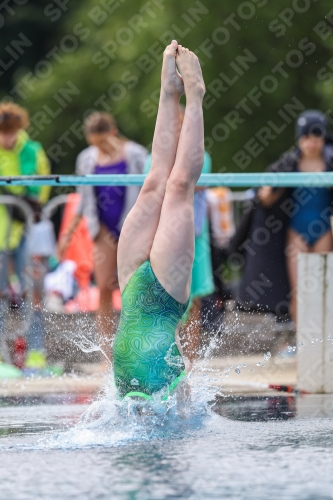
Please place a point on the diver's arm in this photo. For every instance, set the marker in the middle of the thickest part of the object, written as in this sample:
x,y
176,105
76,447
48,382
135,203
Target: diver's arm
x,y
183,389
187,362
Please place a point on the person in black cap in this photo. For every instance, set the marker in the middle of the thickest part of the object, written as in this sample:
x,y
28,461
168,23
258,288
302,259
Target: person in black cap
x,y
312,124
285,222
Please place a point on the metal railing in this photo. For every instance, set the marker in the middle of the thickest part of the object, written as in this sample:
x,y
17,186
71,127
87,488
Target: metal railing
x,y
51,206
232,180
22,205
281,179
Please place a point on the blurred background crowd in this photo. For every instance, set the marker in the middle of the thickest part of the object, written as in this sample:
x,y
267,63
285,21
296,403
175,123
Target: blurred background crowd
x,y
79,94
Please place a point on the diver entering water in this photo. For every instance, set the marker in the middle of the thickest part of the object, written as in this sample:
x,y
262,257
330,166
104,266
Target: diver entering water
x,y
156,245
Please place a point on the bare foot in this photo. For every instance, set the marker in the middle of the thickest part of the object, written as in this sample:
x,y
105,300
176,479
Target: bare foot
x,y
172,82
190,69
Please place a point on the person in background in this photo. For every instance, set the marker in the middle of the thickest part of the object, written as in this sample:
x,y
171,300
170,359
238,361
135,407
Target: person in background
x,y
309,209
222,229
283,222
19,155
202,283
105,208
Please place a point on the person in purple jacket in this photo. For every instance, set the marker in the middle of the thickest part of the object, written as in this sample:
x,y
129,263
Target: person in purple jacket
x,y
105,207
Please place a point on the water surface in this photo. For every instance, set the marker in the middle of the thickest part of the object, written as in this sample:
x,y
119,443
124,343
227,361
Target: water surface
x,y
255,448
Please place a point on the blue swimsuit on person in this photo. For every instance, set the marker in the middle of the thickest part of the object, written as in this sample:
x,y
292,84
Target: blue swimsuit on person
x,y
111,199
312,219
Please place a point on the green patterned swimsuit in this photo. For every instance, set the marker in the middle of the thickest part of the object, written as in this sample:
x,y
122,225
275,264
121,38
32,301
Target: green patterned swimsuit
x,y
146,357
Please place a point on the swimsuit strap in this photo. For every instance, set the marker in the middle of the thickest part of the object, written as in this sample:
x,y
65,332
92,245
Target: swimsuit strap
x,y
134,394
170,389
174,384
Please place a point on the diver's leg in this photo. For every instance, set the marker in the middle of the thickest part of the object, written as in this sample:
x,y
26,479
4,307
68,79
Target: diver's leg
x,y
172,252
295,245
140,226
105,267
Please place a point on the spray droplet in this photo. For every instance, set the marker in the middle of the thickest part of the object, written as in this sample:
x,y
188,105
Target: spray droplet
x,y
267,356
258,363
237,370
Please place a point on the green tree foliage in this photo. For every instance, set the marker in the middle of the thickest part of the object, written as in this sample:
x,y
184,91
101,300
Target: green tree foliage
x,y
260,62
26,37
325,73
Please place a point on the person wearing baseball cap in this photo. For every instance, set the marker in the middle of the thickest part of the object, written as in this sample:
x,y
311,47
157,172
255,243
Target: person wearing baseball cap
x,y
297,219
312,123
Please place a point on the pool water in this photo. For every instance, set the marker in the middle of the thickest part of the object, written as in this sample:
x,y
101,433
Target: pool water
x,y
247,448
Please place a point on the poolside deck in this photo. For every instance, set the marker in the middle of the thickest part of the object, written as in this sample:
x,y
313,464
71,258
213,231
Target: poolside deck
x,y
230,341
86,381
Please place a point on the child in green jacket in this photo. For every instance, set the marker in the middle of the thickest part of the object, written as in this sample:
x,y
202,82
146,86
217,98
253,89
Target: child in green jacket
x,y
19,155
